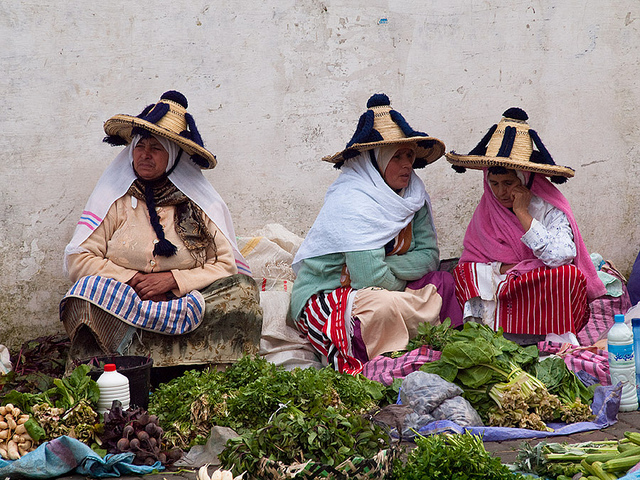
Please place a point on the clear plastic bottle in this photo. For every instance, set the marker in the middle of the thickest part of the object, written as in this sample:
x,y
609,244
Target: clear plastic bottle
x,y
622,366
635,323
113,386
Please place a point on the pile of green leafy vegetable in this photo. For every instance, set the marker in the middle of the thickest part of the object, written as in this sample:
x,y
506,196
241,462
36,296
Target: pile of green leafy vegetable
x,y
250,392
561,381
435,336
452,456
66,408
477,357
65,393
505,382
327,436
36,364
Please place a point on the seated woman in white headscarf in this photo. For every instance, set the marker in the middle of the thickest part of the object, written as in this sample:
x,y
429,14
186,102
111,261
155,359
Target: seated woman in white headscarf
x,y
155,244
524,267
367,270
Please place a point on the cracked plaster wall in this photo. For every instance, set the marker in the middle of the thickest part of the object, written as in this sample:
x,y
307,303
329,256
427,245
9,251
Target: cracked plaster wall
x,y
275,85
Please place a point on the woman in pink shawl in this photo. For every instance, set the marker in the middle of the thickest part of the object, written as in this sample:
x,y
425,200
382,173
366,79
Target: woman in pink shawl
x,y
524,266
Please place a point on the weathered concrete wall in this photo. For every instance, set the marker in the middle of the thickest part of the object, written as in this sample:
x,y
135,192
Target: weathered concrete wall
x,y
275,85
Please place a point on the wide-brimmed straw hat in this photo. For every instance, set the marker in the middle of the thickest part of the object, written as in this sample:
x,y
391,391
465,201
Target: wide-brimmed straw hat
x,y
167,118
509,144
381,125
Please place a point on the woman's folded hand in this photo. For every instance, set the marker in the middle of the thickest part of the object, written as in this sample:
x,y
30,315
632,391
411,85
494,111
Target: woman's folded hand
x,y
153,286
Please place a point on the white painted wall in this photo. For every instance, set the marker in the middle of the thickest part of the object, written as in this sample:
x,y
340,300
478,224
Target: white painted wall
x,y
275,85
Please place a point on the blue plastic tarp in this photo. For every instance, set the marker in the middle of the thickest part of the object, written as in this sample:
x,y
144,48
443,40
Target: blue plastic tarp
x,y
67,455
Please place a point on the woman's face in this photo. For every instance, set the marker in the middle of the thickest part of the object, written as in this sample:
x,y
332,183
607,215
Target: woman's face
x,y
502,186
150,159
399,169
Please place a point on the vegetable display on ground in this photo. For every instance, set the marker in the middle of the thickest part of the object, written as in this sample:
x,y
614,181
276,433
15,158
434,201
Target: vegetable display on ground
x,y
498,379
248,393
604,460
452,456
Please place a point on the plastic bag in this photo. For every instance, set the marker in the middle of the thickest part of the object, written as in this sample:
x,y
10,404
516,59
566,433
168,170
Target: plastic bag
x,y
424,392
5,360
459,410
432,398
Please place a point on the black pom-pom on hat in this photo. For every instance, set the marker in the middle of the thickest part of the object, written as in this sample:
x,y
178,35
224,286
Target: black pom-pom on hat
x,y
175,96
378,100
516,113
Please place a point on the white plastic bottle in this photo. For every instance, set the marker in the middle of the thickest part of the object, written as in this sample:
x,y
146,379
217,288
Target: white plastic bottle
x,y
113,386
622,366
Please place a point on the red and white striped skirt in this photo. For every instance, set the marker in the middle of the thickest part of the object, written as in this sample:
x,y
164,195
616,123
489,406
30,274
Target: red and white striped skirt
x,y
324,322
541,301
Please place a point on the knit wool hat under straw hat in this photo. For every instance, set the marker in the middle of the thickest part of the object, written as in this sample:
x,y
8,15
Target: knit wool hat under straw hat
x,y
381,125
509,144
167,118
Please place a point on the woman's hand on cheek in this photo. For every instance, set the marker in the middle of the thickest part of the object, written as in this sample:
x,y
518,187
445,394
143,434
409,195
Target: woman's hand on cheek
x,y
521,199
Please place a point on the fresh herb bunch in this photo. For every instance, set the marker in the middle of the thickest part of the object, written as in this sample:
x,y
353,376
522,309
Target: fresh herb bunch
x,y
561,381
246,395
435,336
325,435
452,456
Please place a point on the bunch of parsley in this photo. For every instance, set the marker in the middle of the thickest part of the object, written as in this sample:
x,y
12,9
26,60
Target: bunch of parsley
x,y
453,456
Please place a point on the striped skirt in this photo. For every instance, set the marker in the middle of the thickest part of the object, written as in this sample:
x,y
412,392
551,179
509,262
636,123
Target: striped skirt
x,y
542,301
96,301
323,322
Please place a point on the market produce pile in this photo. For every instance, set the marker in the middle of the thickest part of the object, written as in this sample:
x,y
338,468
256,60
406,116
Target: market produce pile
x,y
452,456
504,382
315,420
287,417
602,460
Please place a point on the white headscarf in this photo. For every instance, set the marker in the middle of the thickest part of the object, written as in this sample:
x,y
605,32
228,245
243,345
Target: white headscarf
x,y
187,177
361,212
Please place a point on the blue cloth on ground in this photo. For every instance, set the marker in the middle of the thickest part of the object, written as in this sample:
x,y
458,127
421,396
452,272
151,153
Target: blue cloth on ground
x,y
65,454
605,405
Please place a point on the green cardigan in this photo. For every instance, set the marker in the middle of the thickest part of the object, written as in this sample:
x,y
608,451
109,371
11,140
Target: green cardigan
x,y
369,268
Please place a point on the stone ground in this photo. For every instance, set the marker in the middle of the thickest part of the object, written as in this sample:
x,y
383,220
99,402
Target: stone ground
x,y
627,421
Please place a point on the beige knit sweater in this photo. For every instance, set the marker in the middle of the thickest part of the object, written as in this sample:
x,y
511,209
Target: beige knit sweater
x,y
123,245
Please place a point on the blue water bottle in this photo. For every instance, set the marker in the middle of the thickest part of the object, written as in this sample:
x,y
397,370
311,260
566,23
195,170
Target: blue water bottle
x,y
635,323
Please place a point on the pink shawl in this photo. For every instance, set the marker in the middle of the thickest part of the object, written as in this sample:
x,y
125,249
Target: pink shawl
x,y
494,235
